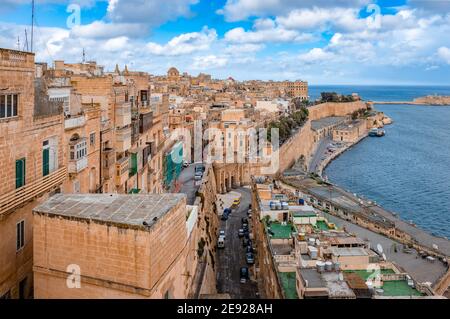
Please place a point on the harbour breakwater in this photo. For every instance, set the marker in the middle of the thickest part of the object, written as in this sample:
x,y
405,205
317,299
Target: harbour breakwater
x,y
429,100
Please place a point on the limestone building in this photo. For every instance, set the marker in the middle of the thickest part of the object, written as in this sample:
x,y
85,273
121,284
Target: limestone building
x,y
31,150
140,246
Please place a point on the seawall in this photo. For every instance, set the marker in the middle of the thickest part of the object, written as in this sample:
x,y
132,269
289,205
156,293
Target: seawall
x,y
302,143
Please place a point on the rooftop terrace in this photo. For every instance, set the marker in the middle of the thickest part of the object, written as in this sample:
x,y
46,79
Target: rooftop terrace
x,y
119,210
281,231
288,284
399,288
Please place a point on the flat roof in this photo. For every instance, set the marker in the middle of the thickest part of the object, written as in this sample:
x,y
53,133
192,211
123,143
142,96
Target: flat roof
x,y
313,277
115,209
337,287
354,251
327,121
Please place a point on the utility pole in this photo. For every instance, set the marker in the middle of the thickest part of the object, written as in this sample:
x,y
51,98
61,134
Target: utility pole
x,y
18,43
32,24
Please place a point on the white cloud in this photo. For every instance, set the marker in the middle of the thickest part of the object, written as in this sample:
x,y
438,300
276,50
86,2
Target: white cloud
x,y
150,12
276,34
316,55
117,44
444,54
185,43
235,10
102,30
236,49
209,62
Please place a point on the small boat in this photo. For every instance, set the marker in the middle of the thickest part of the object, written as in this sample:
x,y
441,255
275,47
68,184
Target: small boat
x,y
377,132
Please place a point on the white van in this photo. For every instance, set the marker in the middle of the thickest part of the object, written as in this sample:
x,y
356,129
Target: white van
x,y
221,242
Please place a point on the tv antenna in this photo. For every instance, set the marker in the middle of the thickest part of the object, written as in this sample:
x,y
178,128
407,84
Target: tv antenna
x,y
84,56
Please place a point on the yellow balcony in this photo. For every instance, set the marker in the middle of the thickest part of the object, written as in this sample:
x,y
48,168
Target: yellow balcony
x,y
30,191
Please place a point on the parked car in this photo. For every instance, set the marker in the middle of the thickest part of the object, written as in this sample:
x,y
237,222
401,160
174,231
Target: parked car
x,y
222,234
244,275
241,233
250,258
225,216
244,220
198,176
227,211
249,250
236,202
221,242
200,168
245,242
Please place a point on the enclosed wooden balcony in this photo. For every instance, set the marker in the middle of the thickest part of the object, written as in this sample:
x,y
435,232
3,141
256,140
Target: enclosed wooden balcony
x,y
123,114
122,171
108,163
27,193
123,139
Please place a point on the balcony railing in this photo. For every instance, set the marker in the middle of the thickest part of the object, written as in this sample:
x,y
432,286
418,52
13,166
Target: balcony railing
x,y
30,191
74,122
76,166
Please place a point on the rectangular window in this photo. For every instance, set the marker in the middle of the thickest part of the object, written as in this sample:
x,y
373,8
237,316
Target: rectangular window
x,y
8,105
20,173
92,139
20,235
2,106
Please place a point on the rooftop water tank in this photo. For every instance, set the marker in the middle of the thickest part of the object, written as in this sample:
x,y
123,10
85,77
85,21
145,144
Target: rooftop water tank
x,y
320,266
301,202
337,266
285,206
329,266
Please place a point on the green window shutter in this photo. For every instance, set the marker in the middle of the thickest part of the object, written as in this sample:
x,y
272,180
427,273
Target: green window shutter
x,y
20,173
134,164
46,162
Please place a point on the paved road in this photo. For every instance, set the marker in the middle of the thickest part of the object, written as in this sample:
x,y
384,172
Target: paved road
x,y
320,152
232,258
187,182
420,269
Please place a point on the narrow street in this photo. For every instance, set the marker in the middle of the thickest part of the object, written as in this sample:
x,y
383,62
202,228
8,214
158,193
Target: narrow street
x,y
232,257
187,182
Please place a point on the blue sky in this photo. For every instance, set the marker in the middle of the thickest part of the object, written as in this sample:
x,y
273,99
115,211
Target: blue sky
x,y
321,41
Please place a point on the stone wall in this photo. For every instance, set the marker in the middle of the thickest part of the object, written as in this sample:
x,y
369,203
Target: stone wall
x,y
208,226
302,143
115,262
